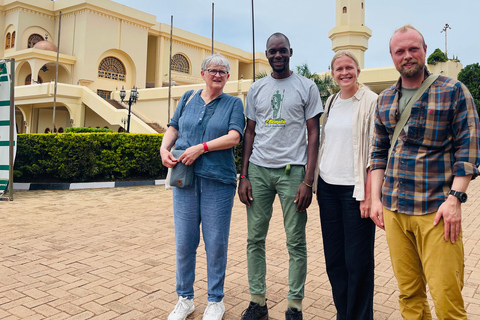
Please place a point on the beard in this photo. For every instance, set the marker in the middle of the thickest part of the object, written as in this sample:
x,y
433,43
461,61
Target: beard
x,y
278,70
412,72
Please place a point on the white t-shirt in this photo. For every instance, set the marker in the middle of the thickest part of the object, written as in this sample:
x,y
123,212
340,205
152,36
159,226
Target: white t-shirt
x,y
280,108
336,165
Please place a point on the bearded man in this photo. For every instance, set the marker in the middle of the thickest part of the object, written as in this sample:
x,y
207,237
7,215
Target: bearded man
x,y
418,189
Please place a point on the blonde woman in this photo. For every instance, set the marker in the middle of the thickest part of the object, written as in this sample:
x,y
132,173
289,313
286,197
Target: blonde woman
x,y
343,190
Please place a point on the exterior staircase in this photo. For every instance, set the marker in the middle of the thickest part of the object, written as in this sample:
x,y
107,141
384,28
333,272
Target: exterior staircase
x,y
155,126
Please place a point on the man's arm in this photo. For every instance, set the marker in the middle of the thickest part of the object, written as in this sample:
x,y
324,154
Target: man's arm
x,y
378,163
244,187
466,153
376,212
451,210
304,192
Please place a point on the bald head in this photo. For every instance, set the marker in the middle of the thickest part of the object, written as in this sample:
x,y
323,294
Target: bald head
x,y
278,35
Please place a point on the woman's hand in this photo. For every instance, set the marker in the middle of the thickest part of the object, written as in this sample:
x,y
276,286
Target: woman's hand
x,y
365,206
168,160
191,154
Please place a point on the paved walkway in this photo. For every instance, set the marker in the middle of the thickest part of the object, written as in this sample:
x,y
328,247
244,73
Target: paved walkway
x,y
109,254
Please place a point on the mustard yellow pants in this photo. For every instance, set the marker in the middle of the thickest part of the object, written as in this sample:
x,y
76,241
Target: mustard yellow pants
x,y
421,256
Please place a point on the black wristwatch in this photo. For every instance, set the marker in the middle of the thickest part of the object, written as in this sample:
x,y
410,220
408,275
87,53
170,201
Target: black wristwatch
x,y
461,196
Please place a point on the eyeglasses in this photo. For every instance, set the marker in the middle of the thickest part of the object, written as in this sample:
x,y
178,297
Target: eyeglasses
x,y
213,72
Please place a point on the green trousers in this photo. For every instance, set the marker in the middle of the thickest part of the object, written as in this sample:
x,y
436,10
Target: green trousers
x,y
266,183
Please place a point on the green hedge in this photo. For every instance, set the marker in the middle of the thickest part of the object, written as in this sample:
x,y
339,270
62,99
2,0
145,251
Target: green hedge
x,y
79,157
83,157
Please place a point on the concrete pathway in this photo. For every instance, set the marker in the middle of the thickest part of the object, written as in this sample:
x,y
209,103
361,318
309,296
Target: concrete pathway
x,y
110,254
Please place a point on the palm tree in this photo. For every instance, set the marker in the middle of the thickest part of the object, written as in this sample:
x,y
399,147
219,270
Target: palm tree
x,y
326,85
260,74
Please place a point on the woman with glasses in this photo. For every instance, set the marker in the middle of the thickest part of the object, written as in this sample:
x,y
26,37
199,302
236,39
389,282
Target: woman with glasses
x,y
207,125
343,190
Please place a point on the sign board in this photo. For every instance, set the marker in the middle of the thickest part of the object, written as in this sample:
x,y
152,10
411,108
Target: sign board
x,y
5,127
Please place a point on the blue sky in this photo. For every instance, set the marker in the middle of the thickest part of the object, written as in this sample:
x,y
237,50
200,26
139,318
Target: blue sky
x,y
307,22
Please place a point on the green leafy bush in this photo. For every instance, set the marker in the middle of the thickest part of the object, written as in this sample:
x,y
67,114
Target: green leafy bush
x,y
84,157
437,56
470,76
74,157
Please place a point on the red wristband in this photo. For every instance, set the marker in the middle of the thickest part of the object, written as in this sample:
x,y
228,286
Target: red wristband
x,y
205,147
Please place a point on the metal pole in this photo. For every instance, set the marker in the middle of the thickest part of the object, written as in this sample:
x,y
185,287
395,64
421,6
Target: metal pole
x,y
253,41
445,28
213,22
56,71
12,128
170,69
129,111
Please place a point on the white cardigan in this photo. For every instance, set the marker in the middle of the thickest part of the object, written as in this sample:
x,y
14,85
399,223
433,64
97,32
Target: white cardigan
x,y
363,124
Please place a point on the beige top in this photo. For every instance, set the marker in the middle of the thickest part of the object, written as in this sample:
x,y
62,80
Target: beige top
x,y
363,124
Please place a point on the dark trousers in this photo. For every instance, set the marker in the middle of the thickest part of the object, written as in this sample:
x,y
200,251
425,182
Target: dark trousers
x,y
348,242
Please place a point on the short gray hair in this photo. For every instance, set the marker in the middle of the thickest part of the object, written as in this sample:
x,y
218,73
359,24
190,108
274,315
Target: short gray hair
x,y
216,59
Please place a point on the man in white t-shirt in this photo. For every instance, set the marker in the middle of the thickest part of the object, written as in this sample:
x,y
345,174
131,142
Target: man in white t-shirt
x,y
278,160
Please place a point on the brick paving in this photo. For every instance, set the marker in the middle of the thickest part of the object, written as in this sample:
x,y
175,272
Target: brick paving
x,y
109,254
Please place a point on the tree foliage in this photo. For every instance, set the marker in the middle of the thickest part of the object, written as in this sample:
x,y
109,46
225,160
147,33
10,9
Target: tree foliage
x,y
470,76
325,84
260,75
437,56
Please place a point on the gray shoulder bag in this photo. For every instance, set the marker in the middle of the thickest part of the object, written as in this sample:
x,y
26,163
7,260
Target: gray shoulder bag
x,y
180,175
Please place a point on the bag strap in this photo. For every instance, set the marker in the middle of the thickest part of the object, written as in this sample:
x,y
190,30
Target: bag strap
x,y
406,113
189,98
331,102
183,108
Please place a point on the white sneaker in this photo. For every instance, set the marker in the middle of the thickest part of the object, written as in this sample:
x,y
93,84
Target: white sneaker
x,y
214,311
182,310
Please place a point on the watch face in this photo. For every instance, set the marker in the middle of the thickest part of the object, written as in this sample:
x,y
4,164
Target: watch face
x,y
461,196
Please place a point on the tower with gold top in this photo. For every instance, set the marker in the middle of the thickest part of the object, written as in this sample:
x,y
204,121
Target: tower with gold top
x,y
350,31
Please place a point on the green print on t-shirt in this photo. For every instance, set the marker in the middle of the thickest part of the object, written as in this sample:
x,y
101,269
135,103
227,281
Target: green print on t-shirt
x,y
276,101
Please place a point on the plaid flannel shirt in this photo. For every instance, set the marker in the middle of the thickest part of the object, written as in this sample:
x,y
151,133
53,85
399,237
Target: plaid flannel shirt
x,y
442,142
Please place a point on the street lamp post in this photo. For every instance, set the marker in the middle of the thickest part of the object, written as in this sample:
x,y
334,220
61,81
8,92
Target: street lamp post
x,y
124,121
132,99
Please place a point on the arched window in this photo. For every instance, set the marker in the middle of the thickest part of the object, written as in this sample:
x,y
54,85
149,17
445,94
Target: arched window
x,y
33,39
111,68
28,80
13,39
180,63
344,9
7,41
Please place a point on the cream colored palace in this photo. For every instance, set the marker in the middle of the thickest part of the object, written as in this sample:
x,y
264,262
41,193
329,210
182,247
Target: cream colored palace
x,y
106,46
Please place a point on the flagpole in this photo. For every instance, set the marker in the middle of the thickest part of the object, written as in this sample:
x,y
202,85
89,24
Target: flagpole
x,y
170,69
213,20
56,71
253,42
